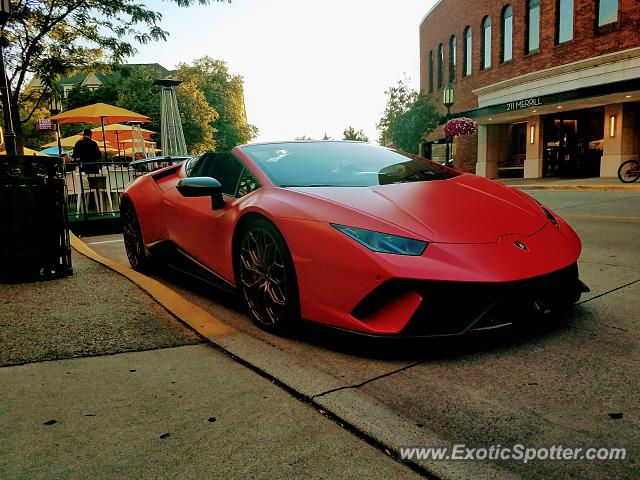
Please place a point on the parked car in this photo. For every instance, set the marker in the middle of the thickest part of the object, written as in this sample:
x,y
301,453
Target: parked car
x,y
355,236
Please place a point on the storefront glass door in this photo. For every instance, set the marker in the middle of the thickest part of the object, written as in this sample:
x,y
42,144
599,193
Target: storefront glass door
x,y
573,143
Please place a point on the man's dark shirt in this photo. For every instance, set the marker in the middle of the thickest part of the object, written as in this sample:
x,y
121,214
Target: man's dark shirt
x,y
89,153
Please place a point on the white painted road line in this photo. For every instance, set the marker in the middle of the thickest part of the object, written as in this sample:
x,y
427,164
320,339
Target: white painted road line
x,y
106,241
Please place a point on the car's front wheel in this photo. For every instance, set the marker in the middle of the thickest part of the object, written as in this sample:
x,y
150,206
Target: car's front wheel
x,y
133,243
266,277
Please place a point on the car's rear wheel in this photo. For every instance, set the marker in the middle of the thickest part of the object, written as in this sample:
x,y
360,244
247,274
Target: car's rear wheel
x,y
266,277
133,243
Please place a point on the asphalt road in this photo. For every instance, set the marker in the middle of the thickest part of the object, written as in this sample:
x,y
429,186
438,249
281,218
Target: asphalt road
x,y
572,383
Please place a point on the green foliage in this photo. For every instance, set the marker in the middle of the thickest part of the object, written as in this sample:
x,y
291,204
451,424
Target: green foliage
x,y
351,134
407,119
410,128
32,137
81,96
198,117
136,92
303,138
50,38
400,98
225,93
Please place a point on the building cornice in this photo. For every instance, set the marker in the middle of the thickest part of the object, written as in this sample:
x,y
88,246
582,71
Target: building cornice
x,y
435,5
569,68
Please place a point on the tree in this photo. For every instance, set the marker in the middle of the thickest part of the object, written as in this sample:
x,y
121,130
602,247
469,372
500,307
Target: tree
x,y
351,134
303,138
408,117
49,38
198,117
225,93
401,98
410,128
81,96
136,91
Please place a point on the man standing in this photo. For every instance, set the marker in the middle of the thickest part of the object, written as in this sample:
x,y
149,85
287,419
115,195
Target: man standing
x,y
87,152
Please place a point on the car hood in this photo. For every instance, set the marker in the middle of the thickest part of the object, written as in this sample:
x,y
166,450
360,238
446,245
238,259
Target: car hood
x,y
463,209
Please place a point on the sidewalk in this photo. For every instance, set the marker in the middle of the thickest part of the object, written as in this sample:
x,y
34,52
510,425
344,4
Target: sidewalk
x,y
99,381
596,183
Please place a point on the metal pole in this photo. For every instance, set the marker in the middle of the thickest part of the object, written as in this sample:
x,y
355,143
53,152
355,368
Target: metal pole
x,y
104,139
446,159
9,135
58,138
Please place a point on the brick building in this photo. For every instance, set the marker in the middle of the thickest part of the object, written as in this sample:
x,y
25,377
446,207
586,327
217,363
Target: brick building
x,y
553,84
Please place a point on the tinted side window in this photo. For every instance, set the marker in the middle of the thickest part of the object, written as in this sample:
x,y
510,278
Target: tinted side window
x,y
224,167
191,164
247,184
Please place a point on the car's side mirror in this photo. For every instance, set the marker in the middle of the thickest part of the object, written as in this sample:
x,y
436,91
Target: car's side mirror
x,y
202,187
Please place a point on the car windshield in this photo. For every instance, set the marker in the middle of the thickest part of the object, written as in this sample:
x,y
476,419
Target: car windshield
x,y
341,164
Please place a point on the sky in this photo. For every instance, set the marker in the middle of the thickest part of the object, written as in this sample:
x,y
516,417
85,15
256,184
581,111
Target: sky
x,y
309,67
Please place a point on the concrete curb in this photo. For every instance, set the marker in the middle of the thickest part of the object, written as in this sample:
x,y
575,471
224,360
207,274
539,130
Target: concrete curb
x,y
349,407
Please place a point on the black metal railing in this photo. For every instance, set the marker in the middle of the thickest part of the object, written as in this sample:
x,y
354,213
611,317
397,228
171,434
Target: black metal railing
x,y
93,190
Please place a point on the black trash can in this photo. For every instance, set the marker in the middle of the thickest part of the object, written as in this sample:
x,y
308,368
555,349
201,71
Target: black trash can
x,y
34,234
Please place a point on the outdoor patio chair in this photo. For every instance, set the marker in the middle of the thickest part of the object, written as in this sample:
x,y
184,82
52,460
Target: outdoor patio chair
x,y
118,178
77,186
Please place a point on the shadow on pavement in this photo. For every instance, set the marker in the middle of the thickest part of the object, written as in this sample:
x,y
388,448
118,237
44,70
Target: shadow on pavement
x,y
390,348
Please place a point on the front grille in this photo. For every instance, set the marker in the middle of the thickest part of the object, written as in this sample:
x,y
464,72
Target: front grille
x,y
451,308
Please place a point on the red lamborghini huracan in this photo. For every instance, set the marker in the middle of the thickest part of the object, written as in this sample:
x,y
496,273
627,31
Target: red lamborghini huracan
x,y
355,236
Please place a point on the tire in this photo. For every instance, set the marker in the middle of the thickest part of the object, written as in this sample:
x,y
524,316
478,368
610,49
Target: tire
x,y
629,171
266,277
133,243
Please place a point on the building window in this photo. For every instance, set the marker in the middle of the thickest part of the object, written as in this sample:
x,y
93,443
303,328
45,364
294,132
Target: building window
x,y
533,26
440,65
507,33
452,58
468,52
607,12
565,20
430,71
486,42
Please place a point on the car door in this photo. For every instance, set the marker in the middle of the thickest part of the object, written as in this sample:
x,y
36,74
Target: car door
x,y
194,226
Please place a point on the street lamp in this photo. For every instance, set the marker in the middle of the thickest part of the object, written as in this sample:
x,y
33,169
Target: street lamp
x,y
9,136
447,100
55,107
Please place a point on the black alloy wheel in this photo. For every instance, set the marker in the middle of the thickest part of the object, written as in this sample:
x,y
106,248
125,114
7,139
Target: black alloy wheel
x,y
133,243
266,277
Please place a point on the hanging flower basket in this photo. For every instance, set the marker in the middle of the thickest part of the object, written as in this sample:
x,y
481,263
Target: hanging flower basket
x,y
460,126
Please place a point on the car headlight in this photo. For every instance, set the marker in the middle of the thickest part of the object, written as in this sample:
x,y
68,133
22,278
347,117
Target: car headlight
x,y
383,242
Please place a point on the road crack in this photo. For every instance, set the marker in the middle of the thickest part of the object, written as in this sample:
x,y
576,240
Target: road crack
x,y
358,385
610,291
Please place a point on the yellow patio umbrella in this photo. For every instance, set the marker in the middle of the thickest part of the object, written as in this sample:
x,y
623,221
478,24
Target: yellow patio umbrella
x,y
28,151
131,150
67,142
120,127
101,113
70,142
